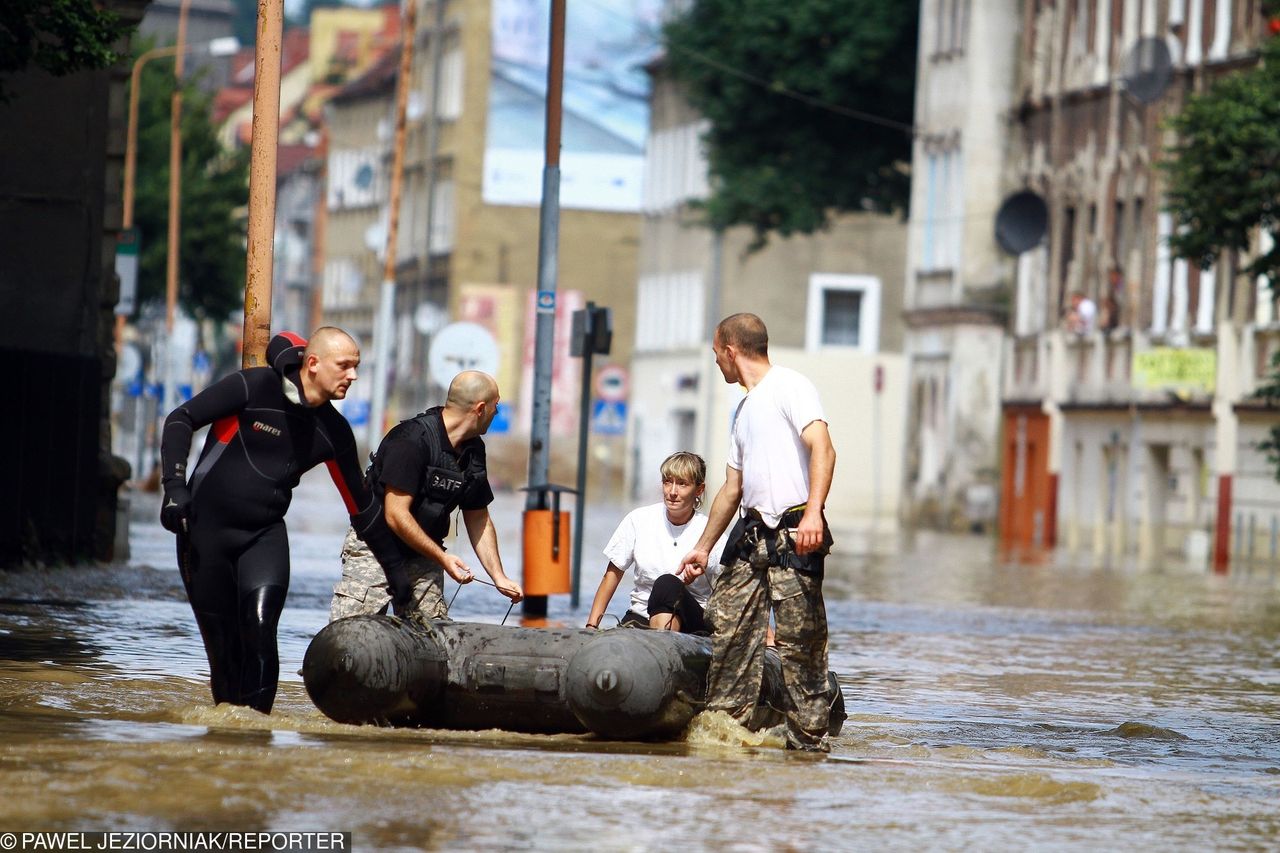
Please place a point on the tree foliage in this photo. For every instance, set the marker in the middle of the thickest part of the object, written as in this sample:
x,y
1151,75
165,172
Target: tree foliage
x,y
59,36
1224,169
214,191
1224,183
809,103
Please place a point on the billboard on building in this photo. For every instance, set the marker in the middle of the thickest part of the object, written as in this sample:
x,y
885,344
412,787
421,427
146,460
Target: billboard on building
x,y
566,371
499,309
1190,369
606,111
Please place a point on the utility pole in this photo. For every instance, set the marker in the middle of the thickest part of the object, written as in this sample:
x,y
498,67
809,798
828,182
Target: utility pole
x,y
384,325
548,251
170,400
262,183
548,257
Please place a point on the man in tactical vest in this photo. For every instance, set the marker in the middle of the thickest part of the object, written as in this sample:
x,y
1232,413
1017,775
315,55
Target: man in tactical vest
x,y
425,469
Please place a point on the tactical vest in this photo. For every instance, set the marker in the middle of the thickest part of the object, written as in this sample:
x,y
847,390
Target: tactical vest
x,y
443,488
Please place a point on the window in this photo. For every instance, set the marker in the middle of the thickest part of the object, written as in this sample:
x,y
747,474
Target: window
x,y
675,166
950,24
669,311
451,66
843,311
944,209
441,238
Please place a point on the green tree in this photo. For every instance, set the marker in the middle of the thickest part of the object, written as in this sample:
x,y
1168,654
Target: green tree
x,y
59,36
1224,181
215,189
810,105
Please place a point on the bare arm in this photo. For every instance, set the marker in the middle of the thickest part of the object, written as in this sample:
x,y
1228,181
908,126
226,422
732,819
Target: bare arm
x,y
604,594
822,466
484,539
396,505
721,513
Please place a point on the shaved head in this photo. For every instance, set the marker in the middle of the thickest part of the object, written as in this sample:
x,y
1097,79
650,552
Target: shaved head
x,y
326,339
745,333
470,387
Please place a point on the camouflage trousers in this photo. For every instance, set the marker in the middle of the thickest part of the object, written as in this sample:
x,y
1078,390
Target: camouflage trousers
x,y
363,589
738,614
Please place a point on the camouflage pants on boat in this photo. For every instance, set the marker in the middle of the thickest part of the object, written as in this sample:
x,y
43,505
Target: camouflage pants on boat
x,y
363,589
738,614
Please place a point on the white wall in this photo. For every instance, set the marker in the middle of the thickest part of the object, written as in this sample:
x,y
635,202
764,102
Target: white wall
x,y
867,430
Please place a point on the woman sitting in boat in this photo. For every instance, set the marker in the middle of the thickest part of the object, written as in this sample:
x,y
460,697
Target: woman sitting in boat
x,y
651,540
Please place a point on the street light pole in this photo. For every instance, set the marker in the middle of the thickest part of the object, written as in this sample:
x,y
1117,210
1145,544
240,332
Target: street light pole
x,y
217,47
548,256
545,305
175,208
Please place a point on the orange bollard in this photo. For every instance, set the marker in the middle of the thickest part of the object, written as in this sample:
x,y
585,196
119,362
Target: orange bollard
x,y
546,552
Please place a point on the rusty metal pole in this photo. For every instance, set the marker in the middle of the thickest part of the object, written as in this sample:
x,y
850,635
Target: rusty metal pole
x,y
320,230
384,325
131,153
548,254
262,183
170,399
175,172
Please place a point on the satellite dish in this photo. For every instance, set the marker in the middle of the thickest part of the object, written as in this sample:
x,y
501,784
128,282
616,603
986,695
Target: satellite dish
x,y
1148,69
429,318
458,347
1021,222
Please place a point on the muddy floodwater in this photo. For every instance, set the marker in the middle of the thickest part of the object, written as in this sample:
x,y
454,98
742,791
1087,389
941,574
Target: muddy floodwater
x,y
992,705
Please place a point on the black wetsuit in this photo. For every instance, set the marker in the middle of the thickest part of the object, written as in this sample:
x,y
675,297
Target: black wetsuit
x,y
234,555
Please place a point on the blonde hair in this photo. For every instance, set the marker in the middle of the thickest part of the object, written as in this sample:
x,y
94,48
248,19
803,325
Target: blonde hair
x,y
683,465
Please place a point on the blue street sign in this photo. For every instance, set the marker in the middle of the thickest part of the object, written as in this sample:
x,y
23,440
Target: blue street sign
x,y
501,421
609,417
356,412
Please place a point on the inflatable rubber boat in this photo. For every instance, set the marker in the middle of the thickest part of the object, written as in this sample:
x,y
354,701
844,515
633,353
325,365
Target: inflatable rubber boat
x,y
620,684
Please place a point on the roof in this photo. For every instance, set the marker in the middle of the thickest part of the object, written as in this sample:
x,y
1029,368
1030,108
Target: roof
x,y
289,158
380,77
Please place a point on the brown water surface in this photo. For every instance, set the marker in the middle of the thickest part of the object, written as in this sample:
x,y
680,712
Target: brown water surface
x,y
992,705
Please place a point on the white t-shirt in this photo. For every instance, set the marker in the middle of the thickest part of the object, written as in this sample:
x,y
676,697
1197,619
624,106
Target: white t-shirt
x,y
765,443
1088,314
648,541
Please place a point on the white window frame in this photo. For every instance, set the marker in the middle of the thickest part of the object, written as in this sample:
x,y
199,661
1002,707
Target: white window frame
x,y
868,312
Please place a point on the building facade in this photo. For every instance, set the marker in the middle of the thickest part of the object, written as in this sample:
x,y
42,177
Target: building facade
x,y
958,281
467,246
61,185
1131,432
831,302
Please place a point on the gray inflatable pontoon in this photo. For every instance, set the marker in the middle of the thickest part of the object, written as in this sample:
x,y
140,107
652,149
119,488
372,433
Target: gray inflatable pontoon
x,y
621,684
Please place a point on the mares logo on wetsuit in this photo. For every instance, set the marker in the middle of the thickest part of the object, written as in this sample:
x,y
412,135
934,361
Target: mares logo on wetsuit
x,y
261,427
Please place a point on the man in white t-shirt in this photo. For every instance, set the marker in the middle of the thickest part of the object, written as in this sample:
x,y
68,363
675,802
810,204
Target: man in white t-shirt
x,y
781,462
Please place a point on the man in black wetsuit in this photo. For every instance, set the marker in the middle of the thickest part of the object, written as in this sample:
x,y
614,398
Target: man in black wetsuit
x,y
269,426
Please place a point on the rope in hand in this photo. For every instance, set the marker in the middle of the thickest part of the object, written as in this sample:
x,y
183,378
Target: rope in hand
x,y
486,583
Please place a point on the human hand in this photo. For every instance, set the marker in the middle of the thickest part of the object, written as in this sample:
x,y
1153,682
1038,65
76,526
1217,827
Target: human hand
x,y
457,569
807,536
693,565
175,509
509,588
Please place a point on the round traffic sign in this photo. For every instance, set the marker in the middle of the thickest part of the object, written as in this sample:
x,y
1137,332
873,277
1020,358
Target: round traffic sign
x,y
461,346
611,383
